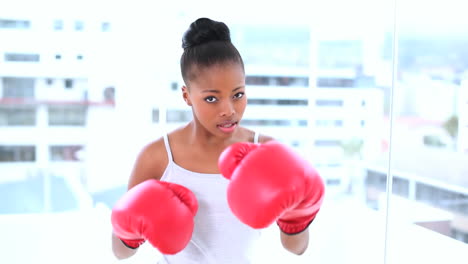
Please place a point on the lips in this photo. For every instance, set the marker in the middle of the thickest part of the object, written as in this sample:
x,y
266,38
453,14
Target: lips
x,y
227,126
227,123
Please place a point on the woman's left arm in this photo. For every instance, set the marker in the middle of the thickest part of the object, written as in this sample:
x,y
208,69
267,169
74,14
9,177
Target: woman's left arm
x,y
297,243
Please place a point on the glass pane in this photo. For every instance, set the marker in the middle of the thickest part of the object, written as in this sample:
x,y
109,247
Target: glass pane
x,y
18,87
45,190
317,76
351,66
65,153
17,153
319,79
67,115
429,205
317,87
14,115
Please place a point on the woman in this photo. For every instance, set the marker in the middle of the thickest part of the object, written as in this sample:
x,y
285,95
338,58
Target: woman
x,y
176,186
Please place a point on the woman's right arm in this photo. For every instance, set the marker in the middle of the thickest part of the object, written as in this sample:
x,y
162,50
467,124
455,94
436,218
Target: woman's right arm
x,y
120,250
150,164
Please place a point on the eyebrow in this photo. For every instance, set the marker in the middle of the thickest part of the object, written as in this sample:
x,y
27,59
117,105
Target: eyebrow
x,y
217,91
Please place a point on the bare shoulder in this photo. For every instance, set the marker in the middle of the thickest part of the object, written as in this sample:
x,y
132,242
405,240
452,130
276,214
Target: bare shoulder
x,y
250,134
264,139
150,163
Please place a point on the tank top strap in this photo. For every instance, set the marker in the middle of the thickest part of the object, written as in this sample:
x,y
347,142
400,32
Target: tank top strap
x,y
256,136
168,148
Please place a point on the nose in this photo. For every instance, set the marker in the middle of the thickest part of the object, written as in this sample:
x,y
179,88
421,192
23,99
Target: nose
x,y
227,109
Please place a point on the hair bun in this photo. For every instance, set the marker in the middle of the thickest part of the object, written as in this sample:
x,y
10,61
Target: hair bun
x,y
205,30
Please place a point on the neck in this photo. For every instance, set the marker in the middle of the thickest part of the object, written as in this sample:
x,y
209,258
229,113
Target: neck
x,y
198,135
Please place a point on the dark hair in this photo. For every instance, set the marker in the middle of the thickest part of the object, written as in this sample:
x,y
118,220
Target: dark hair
x,y
206,43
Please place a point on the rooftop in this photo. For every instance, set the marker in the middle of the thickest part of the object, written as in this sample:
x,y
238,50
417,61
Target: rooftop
x,y
431,165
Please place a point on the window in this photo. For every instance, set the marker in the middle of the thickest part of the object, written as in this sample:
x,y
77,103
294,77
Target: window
x,y
14,24
58,25
58,56
67,115
79,25
333,103
442,197
294,102
18,87
21,57
327,143
17,153
273,122
174,116
333,182
401,186
460,235
105,27
109,93
257,80
277,80
65,153
155,115
174,86
302,123
376,179
68,83
335,82
17,115
434,141
329,123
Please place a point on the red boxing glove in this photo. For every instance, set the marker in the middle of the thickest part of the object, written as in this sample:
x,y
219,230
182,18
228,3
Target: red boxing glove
x,y
157,211
270,182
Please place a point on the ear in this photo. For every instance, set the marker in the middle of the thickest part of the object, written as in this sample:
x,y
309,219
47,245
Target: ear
x,y
185,95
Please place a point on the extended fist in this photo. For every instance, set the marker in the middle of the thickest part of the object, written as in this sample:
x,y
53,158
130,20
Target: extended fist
x,y
270,182
157,211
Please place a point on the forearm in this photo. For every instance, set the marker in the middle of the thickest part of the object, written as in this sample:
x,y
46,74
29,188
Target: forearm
x,y
120,250
296,244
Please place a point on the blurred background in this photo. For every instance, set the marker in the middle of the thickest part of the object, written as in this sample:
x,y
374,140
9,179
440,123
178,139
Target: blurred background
x,y
84,85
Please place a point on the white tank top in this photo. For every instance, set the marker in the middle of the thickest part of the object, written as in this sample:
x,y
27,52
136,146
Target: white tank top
x,y
218,236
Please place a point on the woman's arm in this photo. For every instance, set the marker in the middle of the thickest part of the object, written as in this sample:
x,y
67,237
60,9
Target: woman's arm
x,y
120,250
149,164
296,244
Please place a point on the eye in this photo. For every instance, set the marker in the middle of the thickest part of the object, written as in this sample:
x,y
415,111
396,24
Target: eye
x,y
211,99
239,95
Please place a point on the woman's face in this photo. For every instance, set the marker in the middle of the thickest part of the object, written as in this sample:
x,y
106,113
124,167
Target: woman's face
x,y
217,97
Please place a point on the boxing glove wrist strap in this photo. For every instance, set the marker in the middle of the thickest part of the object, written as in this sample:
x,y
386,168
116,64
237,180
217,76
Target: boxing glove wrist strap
x,y
291,227
132,244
